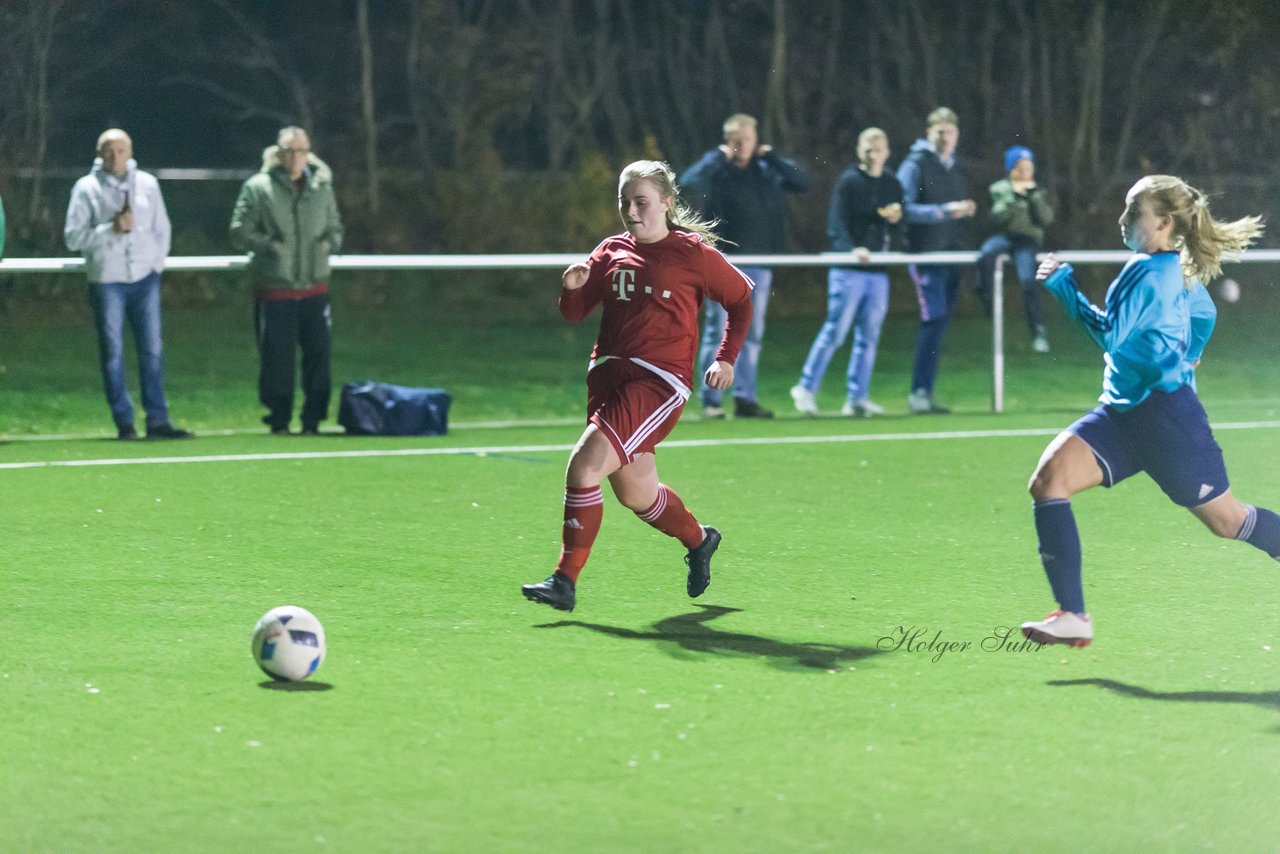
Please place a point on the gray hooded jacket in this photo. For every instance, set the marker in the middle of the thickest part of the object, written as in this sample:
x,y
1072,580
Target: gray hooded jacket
x,y
108,256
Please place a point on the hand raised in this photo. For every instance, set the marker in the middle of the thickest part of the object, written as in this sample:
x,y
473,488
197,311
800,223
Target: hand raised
x,y
574,276
1047,266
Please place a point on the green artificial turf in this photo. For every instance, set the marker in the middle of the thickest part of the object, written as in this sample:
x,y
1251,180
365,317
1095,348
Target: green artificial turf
x,y
775,713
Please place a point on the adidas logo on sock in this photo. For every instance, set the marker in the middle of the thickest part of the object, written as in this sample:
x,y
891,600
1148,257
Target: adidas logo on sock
x,y
573,523
1205,489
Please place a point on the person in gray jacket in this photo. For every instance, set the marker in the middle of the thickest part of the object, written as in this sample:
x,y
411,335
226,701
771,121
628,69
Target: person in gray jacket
x,y
117,220
286,218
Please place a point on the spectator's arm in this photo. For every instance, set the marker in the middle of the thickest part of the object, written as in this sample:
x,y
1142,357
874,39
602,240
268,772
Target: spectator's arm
x,y
1004,205
838,217
792,177
334,232
80,233
1041,207
162,228
915,212
246,231
695,182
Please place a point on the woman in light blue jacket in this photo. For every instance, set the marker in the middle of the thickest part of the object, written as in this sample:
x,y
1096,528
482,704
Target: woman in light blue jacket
x,y
1152,329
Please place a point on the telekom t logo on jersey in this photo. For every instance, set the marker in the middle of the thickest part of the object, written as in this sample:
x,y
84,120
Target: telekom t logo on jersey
x,y
624,284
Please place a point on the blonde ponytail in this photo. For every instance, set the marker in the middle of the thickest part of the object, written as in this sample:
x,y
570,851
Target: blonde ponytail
x,y
1205,241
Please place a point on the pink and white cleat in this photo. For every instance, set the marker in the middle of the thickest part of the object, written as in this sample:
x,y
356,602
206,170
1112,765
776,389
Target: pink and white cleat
x,y
1061,627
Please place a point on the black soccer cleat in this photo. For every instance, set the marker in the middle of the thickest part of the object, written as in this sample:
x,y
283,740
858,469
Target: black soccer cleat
x,y
557,591
699,561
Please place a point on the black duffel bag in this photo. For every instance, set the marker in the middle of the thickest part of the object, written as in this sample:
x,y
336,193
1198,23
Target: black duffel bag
x,y
383,409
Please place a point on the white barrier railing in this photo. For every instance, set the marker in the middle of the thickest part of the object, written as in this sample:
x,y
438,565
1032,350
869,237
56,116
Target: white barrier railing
x,y
215,263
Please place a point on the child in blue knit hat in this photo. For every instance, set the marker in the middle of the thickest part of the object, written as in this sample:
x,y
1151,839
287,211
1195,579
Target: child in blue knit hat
x,y
1021,211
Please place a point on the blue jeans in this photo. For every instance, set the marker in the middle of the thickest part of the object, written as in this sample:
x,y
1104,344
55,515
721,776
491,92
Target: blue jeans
x,y
852,296
1024,252
139,302
747,368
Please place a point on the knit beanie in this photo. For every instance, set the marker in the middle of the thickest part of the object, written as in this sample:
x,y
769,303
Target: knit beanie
x,y
1016,153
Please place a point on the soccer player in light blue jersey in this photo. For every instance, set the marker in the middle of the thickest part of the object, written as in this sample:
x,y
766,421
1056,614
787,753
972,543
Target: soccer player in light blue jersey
x,y
1152,329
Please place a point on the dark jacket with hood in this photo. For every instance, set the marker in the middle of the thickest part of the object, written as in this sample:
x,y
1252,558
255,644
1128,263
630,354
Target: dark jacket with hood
x,y
927,185
749,202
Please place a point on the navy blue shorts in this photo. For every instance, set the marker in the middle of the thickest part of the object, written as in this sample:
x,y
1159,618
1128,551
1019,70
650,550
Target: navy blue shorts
x,y
1167,436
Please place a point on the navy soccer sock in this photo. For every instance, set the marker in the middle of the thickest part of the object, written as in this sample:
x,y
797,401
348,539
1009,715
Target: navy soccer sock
x,y
1261,529
1060,551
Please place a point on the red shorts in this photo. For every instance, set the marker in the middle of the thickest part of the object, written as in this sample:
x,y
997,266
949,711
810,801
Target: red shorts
x,y
632,406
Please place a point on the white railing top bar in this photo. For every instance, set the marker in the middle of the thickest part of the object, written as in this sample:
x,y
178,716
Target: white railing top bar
x,y
557,261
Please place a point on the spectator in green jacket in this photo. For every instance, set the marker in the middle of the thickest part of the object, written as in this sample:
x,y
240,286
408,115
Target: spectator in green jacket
x,y
286,218
1021,211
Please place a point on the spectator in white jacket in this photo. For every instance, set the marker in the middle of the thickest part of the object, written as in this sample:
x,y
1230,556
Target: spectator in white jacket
x,y
117,220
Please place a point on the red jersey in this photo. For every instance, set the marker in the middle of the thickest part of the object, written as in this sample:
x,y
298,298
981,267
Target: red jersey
x,y
651,294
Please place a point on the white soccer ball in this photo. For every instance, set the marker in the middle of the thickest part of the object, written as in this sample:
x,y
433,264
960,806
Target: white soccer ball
x,y
288,643
1229,290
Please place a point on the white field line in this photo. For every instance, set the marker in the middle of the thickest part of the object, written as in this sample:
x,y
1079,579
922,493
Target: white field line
x,y
453,425
261,431
564,447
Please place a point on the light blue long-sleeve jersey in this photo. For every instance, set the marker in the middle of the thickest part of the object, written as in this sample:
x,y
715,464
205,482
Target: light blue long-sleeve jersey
x,y
1153,328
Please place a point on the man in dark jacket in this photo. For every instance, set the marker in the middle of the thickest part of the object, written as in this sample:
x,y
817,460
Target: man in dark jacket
x,y
742,184
286,218
936,197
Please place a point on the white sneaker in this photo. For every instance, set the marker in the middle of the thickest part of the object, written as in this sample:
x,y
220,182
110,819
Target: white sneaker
x,y
863,408
1040,344
806,401
920,402
1061,627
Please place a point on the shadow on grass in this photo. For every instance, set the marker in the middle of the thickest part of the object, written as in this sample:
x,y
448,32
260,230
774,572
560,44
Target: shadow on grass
x,y
690,637
273,685
1266,699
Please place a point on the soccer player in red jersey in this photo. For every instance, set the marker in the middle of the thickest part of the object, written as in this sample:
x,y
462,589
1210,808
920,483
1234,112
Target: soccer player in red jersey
x,y
650,281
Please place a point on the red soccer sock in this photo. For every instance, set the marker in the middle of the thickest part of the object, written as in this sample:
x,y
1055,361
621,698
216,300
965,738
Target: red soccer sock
x,y
669,515
583,510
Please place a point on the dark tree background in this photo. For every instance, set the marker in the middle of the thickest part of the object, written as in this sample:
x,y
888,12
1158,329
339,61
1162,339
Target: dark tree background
x,y
479,125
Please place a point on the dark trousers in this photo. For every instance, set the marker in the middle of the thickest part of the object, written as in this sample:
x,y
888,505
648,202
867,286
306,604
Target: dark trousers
x,y
1023,251
937,287
284,326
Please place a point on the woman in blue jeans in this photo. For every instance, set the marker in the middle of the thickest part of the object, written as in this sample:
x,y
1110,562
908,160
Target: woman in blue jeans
x,y
865,205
